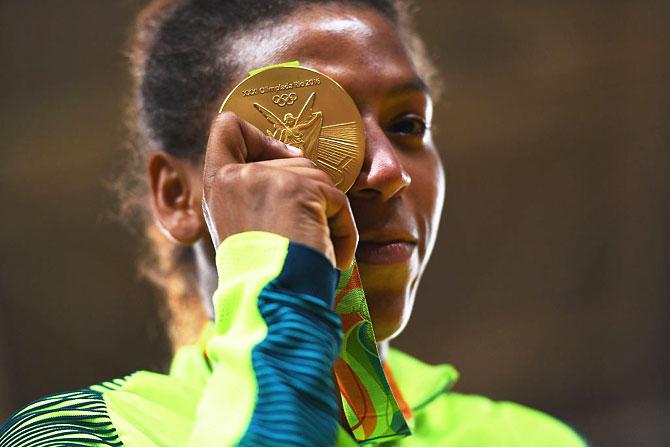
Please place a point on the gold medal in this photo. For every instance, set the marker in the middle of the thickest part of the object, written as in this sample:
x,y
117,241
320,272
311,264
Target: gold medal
x,y
306,109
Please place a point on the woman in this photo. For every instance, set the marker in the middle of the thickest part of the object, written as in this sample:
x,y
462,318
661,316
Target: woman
x,y
279,366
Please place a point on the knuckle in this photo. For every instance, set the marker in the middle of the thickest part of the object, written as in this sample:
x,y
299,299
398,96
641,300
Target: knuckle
x,y
247,173
267,140
270,142
228,119
226,126
228,171
226,175
290,183
303,162
337,195
325,177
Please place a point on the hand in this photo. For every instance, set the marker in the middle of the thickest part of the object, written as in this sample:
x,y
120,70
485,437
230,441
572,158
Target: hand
x,y
254,182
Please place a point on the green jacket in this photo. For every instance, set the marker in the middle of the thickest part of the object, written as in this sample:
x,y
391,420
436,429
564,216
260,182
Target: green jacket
x,y
262,376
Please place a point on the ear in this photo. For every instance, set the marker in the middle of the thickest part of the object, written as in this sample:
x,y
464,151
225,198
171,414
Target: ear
x,y
176,193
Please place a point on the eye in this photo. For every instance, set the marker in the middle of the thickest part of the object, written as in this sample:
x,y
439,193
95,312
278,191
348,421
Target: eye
x,y
409,125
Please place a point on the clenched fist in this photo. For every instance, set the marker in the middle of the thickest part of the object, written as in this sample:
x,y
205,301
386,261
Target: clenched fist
x,y
254,182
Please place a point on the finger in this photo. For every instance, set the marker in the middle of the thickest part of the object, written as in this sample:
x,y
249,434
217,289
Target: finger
x,y
295,162
301,166
313,174
343,232
234,140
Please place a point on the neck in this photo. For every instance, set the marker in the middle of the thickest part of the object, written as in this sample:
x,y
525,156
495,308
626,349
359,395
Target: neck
x,y
206,273
383,349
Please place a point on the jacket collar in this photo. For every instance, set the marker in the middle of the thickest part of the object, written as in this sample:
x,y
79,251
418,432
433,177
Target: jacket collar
x,y
419,382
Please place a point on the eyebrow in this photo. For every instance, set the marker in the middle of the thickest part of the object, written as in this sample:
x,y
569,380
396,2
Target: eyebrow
x,y
412,86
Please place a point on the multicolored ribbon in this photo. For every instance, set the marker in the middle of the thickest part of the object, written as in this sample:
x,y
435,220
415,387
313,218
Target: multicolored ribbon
x,y
374,412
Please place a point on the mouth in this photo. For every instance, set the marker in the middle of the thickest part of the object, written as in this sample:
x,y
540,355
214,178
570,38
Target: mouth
x,y
385,247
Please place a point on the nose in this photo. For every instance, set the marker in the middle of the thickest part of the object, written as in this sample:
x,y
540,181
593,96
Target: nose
x,y
382,174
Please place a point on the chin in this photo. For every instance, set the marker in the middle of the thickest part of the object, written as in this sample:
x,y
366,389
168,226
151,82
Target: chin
x,y
389,313
390,296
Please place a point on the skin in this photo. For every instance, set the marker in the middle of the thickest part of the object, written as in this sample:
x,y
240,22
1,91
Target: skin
x,y
391,214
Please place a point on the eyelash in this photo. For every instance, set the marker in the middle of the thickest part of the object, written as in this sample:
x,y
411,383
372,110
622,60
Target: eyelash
x,y
419,124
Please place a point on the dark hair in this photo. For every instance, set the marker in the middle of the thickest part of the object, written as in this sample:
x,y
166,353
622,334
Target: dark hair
x,y
180,71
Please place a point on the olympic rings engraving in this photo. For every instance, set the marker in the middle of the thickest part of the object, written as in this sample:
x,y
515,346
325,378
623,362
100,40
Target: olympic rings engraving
x,y
285,99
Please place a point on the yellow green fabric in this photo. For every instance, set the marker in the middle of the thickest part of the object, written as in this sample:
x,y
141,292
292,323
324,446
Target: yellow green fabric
x,y
246,262
196,406
209,396
441,417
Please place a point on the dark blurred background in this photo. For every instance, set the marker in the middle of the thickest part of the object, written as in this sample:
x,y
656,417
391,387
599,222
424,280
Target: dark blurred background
x,y
549,285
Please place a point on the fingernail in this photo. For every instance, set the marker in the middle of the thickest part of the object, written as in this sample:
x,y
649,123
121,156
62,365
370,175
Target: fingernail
x,y
293,150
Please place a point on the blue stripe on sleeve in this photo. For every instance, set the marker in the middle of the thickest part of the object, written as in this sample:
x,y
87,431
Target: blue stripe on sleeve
x,y
73,419
296,403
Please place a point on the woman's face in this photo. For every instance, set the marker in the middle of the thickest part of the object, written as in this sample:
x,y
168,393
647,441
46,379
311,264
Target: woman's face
x,y
397,198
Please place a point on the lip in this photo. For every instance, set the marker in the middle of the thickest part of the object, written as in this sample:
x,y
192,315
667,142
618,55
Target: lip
x,y
385,247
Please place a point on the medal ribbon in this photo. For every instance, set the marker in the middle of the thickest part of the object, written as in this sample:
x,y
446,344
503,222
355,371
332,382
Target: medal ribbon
x,y
371,408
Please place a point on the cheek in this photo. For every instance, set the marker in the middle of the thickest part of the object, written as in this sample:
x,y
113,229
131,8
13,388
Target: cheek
x,y
439,187
428,184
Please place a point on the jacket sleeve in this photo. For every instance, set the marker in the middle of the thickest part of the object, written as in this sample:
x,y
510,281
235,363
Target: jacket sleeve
x,y
276,341
73,419
276,338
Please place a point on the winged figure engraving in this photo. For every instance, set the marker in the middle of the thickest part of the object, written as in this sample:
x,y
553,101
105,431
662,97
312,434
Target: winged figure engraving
x,y
332,148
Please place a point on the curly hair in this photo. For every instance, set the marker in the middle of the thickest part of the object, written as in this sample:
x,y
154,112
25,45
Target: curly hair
x,y
180,70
